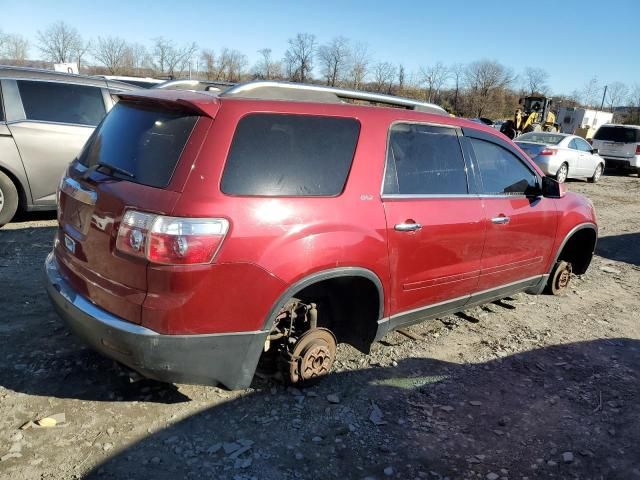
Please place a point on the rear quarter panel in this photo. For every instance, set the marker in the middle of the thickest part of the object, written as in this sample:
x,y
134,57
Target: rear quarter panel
x,y
274,242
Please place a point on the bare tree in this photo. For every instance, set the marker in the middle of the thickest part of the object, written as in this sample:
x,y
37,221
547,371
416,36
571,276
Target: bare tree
x,y
617,93
434,77
359,65
14,47
384,74
137,58
334,57
483,79
401,79
112,52
299,56
208,57
535,80
634,99
60,43
231,65
267,68
170,59
591,93
457,71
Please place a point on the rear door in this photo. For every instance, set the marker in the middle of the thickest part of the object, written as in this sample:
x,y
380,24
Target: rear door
x,y
435,224
57,119
521,225
132,161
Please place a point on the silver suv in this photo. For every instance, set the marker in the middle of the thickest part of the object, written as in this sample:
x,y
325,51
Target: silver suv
x,y
45,119
619,145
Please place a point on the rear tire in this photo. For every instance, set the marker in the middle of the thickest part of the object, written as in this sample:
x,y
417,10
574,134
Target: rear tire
x,y
8,199
596,175
563,173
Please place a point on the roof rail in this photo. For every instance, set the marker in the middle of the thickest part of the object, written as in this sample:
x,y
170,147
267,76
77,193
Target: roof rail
x,y
270,90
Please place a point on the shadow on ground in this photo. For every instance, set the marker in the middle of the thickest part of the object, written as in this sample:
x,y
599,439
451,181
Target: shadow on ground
x,y
39,356
435,420
622,248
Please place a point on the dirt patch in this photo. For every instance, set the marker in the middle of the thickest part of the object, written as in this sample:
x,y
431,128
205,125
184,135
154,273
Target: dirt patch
x,y
530,387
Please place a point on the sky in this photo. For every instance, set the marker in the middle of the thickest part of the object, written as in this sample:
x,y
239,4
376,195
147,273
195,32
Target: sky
x,y
573,40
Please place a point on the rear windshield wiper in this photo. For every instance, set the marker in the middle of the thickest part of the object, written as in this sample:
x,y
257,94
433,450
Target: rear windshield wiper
x,y
110,167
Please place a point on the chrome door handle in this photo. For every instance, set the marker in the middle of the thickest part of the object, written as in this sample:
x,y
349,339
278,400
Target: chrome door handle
x,y
500,220
407,227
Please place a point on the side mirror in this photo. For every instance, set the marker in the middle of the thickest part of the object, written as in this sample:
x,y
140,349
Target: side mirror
x,y
551,188
594,151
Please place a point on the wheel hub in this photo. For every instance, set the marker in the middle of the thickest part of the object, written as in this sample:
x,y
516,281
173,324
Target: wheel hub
x,y
564,277
312,356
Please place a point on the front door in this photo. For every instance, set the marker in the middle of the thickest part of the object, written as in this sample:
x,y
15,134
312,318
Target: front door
x,y
521,224
435,228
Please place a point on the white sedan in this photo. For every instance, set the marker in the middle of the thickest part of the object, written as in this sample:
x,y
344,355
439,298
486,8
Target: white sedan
x,y
562,156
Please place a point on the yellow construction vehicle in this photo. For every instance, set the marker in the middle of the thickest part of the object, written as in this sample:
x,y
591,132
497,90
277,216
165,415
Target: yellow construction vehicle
x,y
534,116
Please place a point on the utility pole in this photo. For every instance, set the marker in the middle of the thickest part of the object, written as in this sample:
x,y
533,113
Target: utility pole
x,y
604,95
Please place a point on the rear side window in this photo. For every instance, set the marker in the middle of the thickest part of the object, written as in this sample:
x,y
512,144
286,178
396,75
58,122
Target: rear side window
x,y
143,141
61,102
290,155
502,172
618,134
424,160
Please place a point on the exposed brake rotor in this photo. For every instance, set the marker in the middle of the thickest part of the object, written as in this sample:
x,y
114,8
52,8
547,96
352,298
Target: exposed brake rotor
x,y
312,356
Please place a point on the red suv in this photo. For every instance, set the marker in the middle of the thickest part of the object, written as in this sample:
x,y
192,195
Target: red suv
x,y
200,233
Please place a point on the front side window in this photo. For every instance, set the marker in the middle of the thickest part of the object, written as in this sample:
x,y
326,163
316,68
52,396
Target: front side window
x,y
290,155
61,102
502,172
424,160
582,145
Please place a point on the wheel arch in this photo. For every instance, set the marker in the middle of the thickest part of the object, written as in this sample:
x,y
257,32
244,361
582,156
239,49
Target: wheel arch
x,y
23,193
369,286
578,247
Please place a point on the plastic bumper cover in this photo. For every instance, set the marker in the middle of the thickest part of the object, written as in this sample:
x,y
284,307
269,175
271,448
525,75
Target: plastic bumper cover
x,y
229,359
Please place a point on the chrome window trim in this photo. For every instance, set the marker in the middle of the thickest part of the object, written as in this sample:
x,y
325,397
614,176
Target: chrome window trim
x,y
407,196
459,134
46,122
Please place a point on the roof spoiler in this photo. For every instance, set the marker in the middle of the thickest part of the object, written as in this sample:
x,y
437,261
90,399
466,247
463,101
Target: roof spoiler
x,y
170,100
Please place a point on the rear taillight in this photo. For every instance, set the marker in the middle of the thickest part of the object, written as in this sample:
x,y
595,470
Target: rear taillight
x,y
638,149
590,140
548,151
171,240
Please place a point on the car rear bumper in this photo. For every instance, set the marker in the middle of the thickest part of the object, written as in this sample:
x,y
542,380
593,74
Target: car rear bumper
x,y
614,161
229,359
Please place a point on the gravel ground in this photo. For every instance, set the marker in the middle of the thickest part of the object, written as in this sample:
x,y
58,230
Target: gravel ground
x,y
530,387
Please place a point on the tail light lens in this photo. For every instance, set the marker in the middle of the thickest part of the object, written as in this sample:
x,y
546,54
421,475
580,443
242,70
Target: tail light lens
x,y
590,140
638,149
171,240
548,151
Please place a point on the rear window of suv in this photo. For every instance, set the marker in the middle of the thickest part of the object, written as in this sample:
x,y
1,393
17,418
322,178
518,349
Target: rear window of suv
x,y
290,155
145,141
618,134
